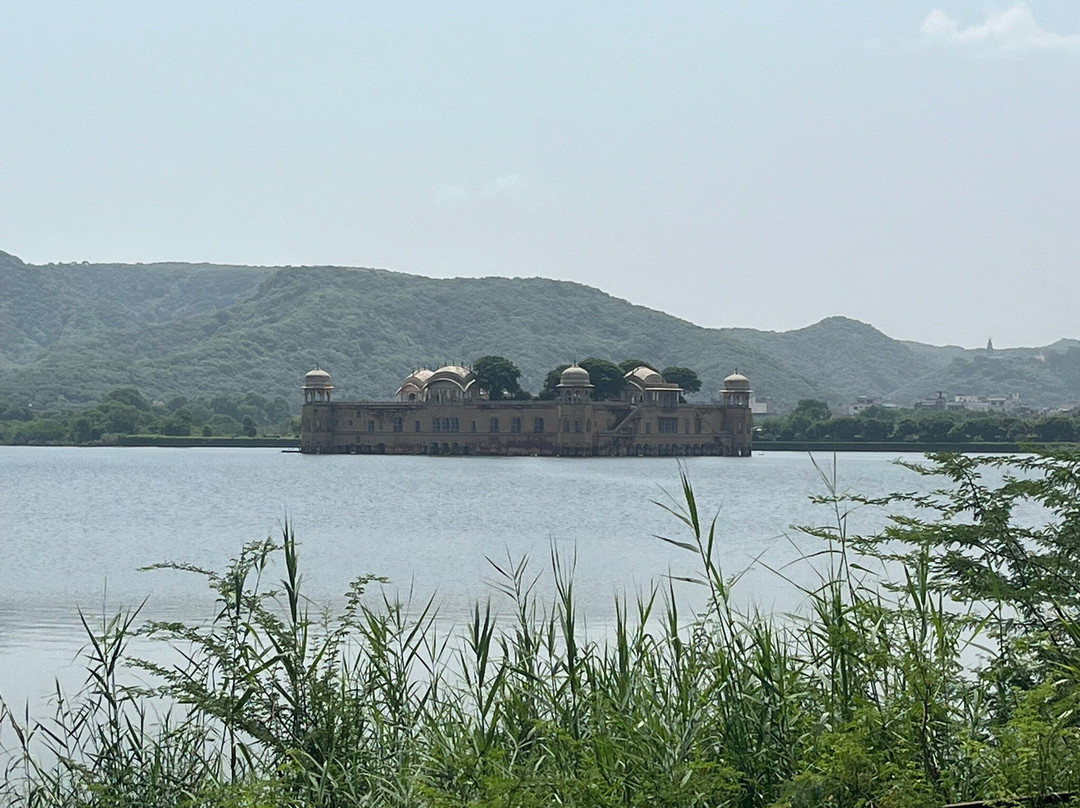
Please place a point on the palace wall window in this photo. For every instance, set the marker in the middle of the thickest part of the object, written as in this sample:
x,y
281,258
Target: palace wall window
x,y
515,424
493,424
538,425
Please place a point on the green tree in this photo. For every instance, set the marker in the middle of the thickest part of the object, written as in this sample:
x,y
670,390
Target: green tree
x,y
606,377
498,375
122,419
179,424
906,429
551,382
806,420
986,550
812,410
875,428
686,378
1056,428
843,429
935,429
128,396
249,426
225,425
84,430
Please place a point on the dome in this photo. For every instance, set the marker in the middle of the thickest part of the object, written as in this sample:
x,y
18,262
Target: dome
x,y
456,370
317,378
736,382
574,376
455,374
417,379
413,385
645,376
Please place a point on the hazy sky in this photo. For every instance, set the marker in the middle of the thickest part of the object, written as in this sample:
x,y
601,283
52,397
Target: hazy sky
x,y
915,165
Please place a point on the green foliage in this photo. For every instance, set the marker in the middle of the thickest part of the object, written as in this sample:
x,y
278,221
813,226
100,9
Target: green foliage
x,y
128,397
499,376
684,377
870,695
606,377
126,411
927,425
549,389
812,410
71,333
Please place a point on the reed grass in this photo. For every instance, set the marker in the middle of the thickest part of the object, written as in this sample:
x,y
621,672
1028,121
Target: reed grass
x,y
865,697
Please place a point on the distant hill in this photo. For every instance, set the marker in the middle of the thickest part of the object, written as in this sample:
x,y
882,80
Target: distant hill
x,y
72,332
845,356
43,305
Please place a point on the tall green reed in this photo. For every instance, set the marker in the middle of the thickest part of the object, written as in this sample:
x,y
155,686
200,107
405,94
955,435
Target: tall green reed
x,y
868,695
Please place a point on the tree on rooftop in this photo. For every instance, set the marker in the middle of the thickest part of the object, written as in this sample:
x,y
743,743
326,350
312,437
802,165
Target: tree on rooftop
x,y
498,375
686,378
606,377
551,382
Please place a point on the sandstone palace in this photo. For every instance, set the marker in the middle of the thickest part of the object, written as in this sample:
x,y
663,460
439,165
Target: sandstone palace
x,y
445,412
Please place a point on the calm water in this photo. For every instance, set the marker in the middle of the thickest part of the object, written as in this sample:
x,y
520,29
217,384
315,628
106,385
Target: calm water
x,y
78,524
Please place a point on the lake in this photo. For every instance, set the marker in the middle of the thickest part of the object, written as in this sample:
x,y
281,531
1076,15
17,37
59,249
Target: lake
x,y
80,523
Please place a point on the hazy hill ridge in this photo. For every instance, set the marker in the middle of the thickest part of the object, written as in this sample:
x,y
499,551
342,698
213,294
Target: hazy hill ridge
x,y
71,332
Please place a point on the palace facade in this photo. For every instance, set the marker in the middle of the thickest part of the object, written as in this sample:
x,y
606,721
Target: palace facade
x,y
445,412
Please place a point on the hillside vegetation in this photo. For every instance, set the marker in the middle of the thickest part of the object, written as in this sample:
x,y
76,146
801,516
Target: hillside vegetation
x,y
70,333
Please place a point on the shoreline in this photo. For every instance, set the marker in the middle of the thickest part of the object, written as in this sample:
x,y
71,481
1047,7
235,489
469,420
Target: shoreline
x,y
220,442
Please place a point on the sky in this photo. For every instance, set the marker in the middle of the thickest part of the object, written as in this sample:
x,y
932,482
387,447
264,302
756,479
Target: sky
x,y
914,165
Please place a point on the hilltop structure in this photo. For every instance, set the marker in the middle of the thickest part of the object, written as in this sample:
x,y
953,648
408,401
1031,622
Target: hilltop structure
x,y
444,411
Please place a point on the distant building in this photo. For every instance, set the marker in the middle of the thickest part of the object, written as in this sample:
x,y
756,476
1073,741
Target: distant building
x,y
444,411
972,403
762,408
861,404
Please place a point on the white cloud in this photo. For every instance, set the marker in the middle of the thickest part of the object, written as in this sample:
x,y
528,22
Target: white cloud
x,y
503,185
1012,31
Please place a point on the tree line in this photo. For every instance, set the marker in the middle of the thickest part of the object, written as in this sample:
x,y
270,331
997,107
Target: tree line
x,y
126,411
811,420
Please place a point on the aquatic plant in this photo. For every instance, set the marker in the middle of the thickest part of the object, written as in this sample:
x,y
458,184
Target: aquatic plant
x,y
925,667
